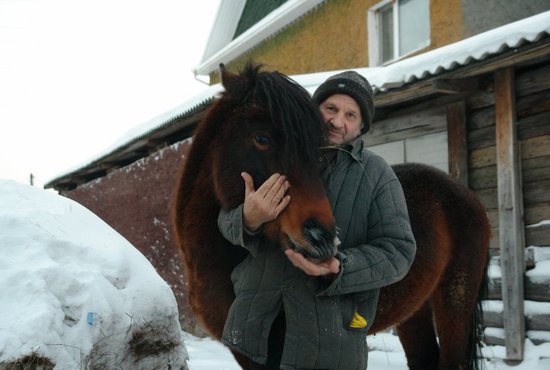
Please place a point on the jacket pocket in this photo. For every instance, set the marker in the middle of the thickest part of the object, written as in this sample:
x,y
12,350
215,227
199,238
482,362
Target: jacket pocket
x,y
348,309
363,309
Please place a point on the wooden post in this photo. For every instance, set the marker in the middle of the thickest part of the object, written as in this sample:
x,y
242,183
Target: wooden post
x,y
510,209
457,142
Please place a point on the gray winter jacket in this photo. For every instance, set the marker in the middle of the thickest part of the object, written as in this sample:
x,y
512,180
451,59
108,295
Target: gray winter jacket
x,y
377,249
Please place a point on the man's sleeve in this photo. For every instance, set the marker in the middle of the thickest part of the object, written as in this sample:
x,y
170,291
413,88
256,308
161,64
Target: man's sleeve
x,y
230,224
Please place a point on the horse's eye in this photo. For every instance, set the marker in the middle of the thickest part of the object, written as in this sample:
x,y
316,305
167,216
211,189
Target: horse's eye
x,y
262,140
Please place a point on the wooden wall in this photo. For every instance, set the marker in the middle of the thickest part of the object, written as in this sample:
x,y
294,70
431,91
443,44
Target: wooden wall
x,y
532,94
414,134
396,136
533,114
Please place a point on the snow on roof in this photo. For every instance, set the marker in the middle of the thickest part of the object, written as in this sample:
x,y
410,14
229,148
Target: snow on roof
x,y
143,130
446,58
226,22
431,63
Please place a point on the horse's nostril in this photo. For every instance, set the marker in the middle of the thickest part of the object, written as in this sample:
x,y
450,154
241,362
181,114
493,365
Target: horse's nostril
x,y
322,240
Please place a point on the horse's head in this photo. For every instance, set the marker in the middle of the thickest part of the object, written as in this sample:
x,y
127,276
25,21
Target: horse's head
x,y
267,124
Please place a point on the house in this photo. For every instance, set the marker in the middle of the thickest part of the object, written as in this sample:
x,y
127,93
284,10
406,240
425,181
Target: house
x,y
477,107
307,36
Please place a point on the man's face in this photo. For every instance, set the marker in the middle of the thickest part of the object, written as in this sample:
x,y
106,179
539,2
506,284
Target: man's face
x,y
342,115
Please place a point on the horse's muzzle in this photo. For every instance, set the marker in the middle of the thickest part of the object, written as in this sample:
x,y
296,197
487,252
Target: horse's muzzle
x,y
320,242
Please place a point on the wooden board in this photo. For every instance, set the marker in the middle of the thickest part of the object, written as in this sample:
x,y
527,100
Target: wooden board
x,y
510,205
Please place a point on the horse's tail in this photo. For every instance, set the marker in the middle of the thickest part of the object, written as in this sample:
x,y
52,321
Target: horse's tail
x,y
474,219
475,355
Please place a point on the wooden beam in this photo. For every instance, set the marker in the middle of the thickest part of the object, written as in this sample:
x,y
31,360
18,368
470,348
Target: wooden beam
x,y
531,54
457,142
429,87
510,206
456,85
408,93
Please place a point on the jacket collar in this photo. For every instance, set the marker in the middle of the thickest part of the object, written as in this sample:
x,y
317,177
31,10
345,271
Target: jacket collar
x,y
352,149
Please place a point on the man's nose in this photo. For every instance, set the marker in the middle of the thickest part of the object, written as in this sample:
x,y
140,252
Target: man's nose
x,y
337,121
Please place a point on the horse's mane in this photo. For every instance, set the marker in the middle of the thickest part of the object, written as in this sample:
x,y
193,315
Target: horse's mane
x,y
290,108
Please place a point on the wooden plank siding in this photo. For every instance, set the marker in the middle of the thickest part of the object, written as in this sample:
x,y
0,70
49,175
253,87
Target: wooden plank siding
x,y
533,92
408,125
533,111
413,134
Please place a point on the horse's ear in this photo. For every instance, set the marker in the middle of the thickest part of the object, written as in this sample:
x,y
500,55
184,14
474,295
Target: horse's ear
x,y
232,82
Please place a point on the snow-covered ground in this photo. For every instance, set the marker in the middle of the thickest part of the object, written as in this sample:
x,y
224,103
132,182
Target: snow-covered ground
x,y
386,354
77,293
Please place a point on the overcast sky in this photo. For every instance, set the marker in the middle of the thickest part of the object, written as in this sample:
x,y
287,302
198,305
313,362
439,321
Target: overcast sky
x,y
75,75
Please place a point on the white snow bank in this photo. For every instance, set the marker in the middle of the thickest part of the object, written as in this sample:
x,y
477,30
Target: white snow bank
x,y
76,292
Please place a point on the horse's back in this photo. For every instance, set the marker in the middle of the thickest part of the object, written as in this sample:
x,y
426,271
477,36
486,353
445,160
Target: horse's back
x,y
452,234
431,192
450,227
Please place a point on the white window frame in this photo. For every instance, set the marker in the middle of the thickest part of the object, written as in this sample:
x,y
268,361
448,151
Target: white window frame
x,y
373,19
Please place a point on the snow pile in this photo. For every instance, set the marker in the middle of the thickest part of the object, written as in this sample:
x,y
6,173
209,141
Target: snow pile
x,y
75,293
535,357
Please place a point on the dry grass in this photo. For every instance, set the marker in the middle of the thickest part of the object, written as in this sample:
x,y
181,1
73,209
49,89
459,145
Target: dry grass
x,y
29,362
142,344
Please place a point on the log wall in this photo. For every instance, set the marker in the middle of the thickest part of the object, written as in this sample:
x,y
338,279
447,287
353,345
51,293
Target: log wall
x,y
532,90
533,114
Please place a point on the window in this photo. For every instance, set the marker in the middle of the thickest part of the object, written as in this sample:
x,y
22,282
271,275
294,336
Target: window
x,y
397,28
429,149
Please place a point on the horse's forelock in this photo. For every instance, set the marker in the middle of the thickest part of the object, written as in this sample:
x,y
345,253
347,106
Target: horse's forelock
x,y
294,114
289,107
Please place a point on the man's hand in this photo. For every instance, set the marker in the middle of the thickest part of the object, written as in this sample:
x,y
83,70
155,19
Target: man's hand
x,y
266,203
327,267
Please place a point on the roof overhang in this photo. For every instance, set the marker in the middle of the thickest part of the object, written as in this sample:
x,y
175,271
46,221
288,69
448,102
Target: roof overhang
x,y
273,23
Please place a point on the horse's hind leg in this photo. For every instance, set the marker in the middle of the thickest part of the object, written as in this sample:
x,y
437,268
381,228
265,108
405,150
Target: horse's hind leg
x,y
455,301
417,336
454,309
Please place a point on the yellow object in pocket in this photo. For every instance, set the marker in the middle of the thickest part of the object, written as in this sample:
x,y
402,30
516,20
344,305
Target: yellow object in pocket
x,y
358,322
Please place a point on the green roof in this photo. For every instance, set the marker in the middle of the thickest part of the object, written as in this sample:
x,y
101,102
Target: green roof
x,y
254,11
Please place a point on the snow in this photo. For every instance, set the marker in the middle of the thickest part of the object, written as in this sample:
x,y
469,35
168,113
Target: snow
x,y
385,353
142,130
76,292
531,308
539,224
540,274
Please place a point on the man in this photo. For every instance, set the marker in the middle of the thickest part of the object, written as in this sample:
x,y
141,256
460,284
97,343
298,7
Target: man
x,y
377,246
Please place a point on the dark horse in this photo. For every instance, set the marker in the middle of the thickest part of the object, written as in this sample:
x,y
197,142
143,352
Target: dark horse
x,y
265,123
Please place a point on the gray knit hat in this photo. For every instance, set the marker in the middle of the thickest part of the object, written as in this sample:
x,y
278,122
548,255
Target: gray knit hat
x,y
353,84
